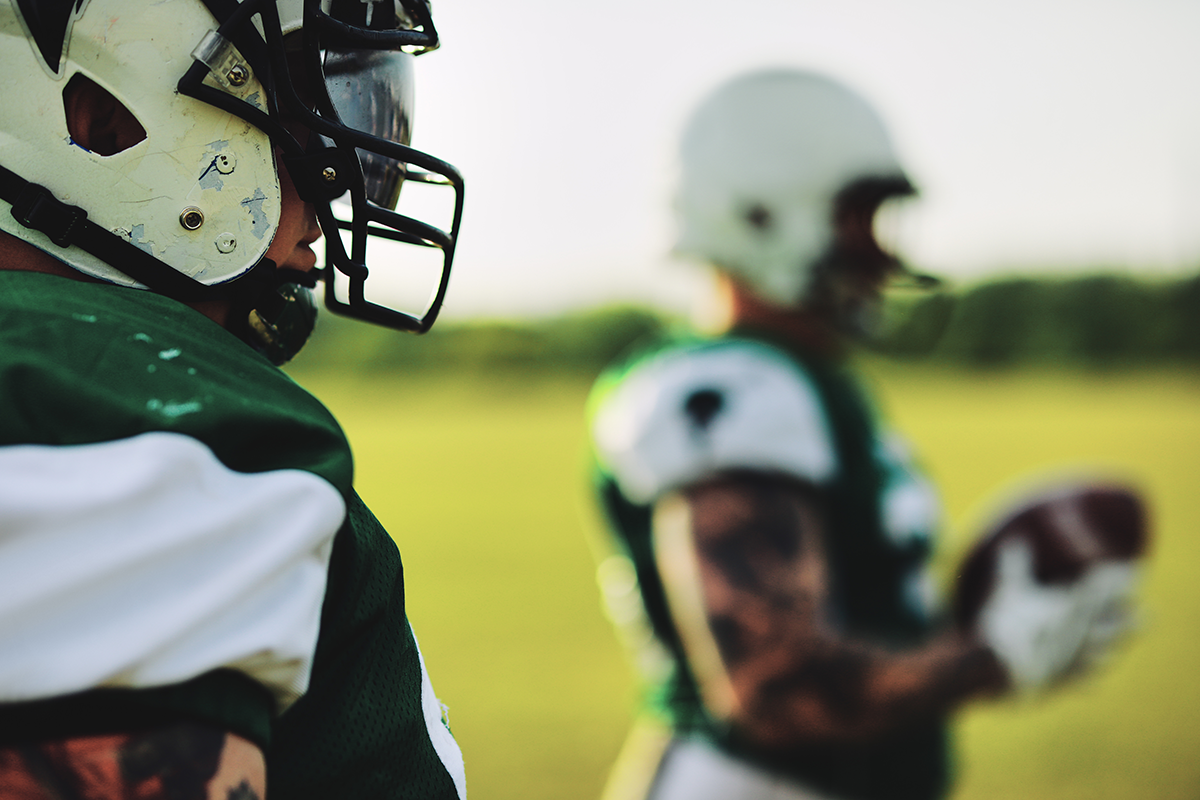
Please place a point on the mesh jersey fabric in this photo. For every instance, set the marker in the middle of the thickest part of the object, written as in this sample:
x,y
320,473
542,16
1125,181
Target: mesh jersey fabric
x,y
871,569
84,363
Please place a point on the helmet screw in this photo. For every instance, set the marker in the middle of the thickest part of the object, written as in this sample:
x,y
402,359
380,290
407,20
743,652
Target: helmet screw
x,y
329,174
191,218
226,243
238,75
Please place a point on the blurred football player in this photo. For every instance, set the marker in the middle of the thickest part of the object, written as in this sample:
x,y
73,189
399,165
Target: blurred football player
x,y
772,534
195,601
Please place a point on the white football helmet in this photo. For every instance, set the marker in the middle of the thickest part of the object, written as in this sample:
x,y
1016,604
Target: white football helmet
x,y
767,162
190,210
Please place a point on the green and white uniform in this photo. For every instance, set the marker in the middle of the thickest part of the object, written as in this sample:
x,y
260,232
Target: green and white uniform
x,y
179,537
685,410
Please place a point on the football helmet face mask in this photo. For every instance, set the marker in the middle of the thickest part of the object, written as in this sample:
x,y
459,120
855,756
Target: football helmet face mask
x,y
222,89
781,173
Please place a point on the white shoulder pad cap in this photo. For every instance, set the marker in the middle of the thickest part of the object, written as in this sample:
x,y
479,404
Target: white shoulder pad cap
x,y
689,413
146,561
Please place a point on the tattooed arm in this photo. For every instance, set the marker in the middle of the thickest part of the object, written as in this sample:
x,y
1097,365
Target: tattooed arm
x,y
743,561
178,762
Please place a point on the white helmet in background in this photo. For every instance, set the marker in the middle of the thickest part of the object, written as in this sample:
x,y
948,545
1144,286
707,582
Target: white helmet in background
x,y
190,208
767,163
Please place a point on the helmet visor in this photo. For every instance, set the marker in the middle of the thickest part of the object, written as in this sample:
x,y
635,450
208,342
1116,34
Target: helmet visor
x,y
372,92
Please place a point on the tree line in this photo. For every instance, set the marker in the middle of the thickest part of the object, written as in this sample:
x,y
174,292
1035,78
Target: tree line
x,y
1098,320
1104,320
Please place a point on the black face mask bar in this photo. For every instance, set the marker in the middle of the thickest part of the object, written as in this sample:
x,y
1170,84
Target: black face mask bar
x,y
355,108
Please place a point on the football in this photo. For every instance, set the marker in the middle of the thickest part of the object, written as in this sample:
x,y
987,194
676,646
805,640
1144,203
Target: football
x,y
1068,531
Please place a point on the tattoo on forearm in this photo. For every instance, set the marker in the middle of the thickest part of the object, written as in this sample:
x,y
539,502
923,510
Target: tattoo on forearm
x,y
752,556
729,635
765,580
242,792
39,768
839,678
183,757
770,531
173,763
766,596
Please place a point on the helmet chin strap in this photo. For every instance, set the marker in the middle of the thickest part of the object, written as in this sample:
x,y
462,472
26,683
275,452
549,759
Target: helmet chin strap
x,y
277,319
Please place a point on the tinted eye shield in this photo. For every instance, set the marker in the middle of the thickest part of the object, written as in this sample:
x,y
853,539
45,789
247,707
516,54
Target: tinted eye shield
x,y
372,91
354,105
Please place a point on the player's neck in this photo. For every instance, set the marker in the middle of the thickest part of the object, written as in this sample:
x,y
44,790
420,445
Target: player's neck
x,y
797,325
21,256
24,257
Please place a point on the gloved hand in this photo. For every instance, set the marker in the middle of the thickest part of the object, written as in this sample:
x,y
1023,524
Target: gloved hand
x,y
1050,587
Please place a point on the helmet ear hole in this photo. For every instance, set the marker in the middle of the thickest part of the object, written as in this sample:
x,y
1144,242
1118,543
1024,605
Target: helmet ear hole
x,y
759,217
96,120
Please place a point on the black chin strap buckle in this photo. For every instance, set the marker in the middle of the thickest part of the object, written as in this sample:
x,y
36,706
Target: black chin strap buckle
x,y
37,208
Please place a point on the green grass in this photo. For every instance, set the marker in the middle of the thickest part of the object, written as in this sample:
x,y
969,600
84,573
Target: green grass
x,y
480,480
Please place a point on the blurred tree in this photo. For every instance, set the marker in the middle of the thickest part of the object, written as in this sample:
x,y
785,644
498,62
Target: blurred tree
x,y
1102,320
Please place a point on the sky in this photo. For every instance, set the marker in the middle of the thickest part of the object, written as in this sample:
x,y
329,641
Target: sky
x,y
1042,134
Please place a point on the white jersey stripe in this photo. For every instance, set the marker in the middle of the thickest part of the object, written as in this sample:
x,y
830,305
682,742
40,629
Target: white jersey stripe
x,y
438,728
145,561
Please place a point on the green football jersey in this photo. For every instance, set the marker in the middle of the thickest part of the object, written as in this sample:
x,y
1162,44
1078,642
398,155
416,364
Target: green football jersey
x,y
681,410
182,539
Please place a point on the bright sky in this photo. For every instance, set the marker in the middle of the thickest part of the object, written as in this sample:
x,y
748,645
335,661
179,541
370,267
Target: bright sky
x,y
1041,132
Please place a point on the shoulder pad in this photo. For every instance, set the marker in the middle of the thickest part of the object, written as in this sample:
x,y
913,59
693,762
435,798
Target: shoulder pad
x,y
691,412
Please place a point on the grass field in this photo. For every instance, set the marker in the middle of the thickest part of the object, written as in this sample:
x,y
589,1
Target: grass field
x,y
480,480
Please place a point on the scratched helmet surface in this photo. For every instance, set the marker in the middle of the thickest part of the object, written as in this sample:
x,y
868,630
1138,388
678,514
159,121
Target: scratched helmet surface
x,y
191,208
195,159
